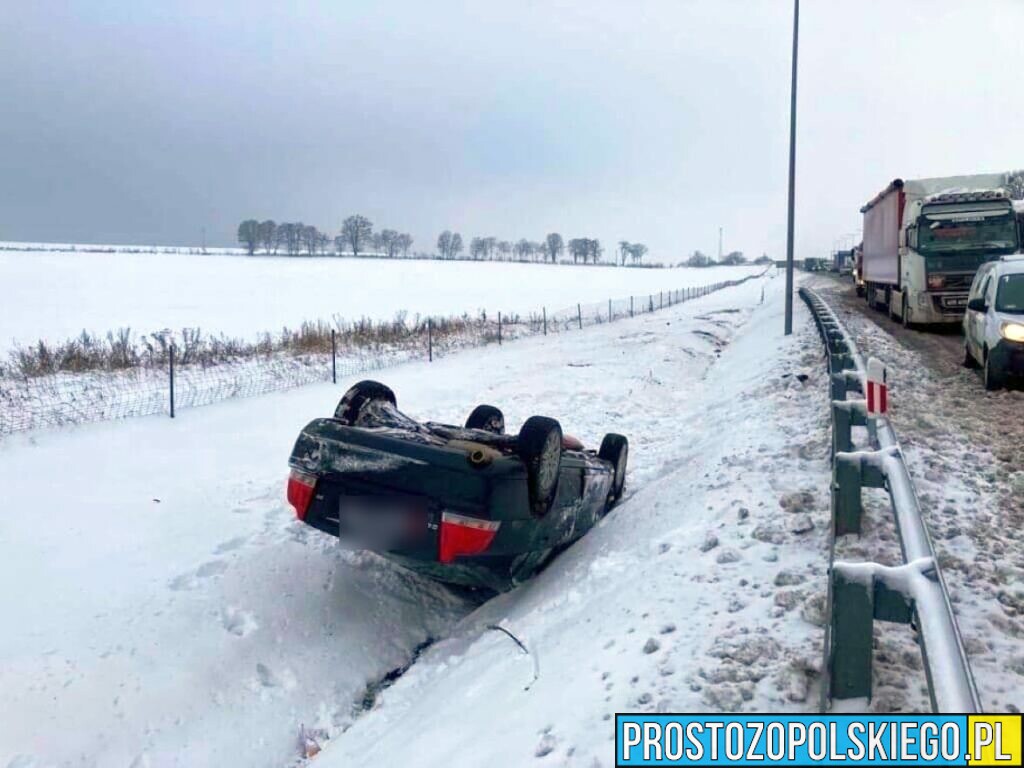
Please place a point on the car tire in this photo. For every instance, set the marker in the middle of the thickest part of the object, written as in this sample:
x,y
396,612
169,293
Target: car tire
x,y
994,378
969,361
539,445
488,418
357,397
615,450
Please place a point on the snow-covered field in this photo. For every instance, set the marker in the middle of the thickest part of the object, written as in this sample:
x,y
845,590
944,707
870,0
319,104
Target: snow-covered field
x,y
164,609
55,296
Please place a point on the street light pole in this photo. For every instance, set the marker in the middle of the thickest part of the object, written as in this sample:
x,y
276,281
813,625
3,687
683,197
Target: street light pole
x,y
792,174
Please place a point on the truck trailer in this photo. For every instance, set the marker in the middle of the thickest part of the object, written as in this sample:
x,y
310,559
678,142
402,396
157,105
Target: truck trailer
x,y
924,239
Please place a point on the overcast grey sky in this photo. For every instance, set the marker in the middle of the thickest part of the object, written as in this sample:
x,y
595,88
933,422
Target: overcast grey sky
x,y
656,121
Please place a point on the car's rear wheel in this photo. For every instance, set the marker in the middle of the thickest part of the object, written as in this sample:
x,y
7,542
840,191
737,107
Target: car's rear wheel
x,y
615,450
358,396
487,418
994,378
539,445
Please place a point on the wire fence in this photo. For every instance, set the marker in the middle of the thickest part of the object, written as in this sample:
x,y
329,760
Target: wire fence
x,y
173,378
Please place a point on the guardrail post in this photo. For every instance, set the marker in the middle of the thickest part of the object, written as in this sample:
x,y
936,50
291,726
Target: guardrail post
x,y
851,627
845,382
842,361
858,595
845,415
851,473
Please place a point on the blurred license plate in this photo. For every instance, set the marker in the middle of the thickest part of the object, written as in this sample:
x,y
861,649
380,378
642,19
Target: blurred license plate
x,y
955,301
381,522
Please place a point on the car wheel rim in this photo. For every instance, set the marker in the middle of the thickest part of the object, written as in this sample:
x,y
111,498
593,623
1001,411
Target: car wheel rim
x,y
547,473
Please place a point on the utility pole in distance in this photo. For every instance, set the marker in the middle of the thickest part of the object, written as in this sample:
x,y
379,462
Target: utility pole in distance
x,y
792,174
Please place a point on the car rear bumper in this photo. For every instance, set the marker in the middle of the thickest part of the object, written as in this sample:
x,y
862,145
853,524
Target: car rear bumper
x,y
419,542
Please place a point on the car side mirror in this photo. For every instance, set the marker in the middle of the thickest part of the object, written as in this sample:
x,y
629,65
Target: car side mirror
x,y
977,305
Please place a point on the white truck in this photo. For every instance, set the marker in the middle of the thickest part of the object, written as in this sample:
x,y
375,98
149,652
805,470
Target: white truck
x,y
924,240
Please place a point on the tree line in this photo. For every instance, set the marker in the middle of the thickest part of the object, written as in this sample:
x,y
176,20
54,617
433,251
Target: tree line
x,y
357,236
295,238
734,258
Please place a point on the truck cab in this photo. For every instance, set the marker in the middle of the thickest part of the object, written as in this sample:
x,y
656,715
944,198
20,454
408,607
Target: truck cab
x,y
945,238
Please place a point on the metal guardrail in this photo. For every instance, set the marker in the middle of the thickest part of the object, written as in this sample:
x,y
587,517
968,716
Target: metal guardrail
x,y
860,593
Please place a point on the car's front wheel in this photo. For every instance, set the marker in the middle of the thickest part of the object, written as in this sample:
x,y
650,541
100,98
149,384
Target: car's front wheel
x,y
994,377
539,445
615,450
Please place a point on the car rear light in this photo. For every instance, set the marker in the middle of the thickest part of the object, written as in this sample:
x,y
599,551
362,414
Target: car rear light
x,y
461,535
936,282
300,491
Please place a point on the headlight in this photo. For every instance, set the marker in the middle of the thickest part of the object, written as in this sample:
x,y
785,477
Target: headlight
x,y
935,282
1012,331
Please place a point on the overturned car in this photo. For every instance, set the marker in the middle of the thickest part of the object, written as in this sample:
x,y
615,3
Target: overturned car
x,y
467,505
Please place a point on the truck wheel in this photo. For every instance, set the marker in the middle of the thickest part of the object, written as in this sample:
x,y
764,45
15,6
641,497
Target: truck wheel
x,y
615,450
994,378
487,418
356,398
539,445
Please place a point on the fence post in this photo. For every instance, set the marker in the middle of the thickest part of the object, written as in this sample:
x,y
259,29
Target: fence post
x,y
661,300
499,328
545,311
171,358
579,316
334,358
430,340
630,306
610,318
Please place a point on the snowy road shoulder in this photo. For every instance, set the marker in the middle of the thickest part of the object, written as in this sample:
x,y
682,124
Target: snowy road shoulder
x,y
171,613
703,591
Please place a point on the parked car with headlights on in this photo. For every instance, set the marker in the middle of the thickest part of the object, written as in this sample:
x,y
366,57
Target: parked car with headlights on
x,y
994,321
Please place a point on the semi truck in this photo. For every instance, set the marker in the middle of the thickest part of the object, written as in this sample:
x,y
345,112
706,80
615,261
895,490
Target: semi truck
x,y
924,240
842,262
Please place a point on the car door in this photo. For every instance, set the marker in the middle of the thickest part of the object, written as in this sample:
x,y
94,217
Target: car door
x,y
989,324
972,326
